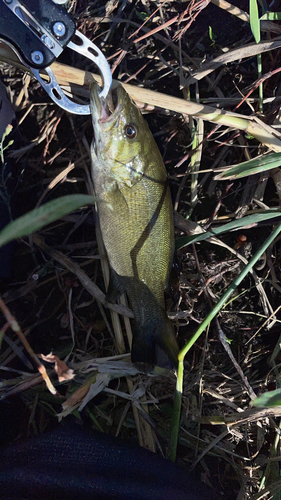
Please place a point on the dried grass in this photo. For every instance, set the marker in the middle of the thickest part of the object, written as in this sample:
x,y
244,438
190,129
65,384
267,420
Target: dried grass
x,y
160,50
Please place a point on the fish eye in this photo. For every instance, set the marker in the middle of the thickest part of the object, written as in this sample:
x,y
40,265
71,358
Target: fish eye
x,y
131,131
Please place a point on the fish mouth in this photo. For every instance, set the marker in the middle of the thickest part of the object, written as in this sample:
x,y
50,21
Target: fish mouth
x,y
105,112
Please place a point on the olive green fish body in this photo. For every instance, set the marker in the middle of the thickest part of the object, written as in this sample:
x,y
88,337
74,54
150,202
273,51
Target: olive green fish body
x,y
136,221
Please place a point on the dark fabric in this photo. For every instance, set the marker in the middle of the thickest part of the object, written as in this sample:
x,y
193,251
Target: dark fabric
x,y
73,463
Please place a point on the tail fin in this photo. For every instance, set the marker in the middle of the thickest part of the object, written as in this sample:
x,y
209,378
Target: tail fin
x,y
155,345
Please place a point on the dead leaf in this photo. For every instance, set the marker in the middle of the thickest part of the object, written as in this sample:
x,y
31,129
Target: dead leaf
x,y
62,370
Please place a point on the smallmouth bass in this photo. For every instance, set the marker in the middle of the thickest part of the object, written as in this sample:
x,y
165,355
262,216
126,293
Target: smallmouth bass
x,y
136,222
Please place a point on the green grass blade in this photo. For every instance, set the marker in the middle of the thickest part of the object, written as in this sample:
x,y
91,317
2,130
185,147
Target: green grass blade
x,y
245,223
40,217
254,20
268,399
250,167
255,27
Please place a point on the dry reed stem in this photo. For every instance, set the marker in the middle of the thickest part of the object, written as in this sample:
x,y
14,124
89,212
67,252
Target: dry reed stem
x,y
265,134
67,75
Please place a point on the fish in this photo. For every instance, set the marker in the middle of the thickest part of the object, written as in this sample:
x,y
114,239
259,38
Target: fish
x,y
136,220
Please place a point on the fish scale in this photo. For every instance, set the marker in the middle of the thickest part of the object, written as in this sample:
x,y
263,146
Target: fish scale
x,y
136,220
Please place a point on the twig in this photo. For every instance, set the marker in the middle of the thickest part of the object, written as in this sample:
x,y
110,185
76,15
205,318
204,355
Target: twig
x,y
12,322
